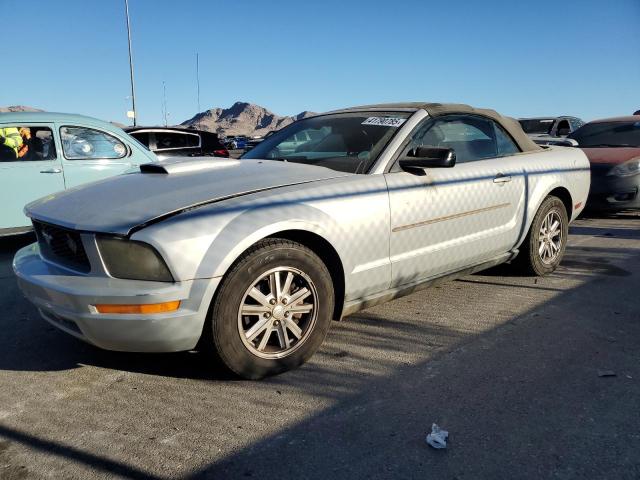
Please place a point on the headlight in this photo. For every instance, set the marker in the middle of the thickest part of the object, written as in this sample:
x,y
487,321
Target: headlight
x,y
625,169
132,260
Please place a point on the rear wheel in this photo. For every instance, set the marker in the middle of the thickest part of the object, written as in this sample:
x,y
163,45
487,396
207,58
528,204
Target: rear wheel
x,y
273,309
545,244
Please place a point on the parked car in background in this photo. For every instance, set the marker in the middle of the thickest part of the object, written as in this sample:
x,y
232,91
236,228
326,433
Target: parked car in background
x,y
178,142
548,130
613,148
64,151
252,142
252,258
298,140
236,142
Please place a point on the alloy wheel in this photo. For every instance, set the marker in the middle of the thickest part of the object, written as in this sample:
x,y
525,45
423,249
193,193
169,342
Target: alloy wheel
x,y
277,312
550,237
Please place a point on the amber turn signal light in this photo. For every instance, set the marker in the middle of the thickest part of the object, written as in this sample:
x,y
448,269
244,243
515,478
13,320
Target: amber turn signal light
x,y
142,308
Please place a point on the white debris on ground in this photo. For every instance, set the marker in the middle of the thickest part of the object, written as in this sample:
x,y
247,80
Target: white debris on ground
x,y
438,437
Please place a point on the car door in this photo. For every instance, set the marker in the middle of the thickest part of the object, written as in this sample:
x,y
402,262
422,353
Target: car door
x,y
34,175
90,153
444,219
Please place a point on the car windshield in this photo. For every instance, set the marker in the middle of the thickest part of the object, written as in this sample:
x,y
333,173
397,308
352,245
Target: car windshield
x,y
536,125
347,142
608,134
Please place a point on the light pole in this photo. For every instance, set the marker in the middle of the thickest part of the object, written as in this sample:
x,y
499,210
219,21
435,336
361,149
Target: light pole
x,y
198,84
165,114
133,90
198,78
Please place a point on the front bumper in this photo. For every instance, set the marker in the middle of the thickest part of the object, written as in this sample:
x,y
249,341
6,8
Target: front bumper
x,y
612,193
65,300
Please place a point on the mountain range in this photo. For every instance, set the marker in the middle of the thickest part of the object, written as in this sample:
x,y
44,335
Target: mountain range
x,y
19,108
242,118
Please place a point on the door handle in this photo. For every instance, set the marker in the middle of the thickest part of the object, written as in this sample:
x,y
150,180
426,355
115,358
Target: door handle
x,y
502,178
51,170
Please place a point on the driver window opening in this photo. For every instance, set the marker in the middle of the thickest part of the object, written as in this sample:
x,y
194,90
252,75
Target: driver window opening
x,y
25,143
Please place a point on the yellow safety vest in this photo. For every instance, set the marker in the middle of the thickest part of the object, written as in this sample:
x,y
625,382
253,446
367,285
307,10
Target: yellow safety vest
x,y
10,137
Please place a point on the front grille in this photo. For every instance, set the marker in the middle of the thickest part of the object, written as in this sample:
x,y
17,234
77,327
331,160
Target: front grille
x,y
62,246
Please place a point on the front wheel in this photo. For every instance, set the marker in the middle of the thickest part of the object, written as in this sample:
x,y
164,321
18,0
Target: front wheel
x,y
545,244
273,309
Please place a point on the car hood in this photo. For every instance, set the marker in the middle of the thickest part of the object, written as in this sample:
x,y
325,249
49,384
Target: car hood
x,y
611,155
120,204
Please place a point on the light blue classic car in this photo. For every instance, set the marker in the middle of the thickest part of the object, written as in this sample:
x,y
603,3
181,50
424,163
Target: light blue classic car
x,y
62,151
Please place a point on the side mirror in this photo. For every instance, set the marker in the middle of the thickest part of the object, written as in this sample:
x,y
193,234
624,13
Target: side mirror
x,y
563,132
420,158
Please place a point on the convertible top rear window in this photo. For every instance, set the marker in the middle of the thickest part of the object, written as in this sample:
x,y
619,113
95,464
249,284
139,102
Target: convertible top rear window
x,y
347,142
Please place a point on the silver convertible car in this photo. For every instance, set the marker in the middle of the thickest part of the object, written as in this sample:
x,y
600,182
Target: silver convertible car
x,y
252,259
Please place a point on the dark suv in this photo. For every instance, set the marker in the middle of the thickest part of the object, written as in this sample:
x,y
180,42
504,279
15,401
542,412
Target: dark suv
x,y
178,142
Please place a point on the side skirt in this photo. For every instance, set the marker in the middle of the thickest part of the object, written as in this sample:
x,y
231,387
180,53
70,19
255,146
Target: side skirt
x,y
354,306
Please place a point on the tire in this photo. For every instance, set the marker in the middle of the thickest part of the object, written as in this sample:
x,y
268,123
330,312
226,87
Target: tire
x,y
287,345
530,260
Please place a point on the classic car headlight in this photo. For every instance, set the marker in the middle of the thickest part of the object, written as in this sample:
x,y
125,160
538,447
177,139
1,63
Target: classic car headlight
x,y
132,260
627,168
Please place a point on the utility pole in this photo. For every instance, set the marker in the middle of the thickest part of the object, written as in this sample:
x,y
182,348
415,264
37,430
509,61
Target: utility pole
x,y
198,78
133,90
164,103
198,84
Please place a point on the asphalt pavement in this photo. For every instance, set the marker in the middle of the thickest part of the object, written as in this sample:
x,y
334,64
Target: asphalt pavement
x,y
532,377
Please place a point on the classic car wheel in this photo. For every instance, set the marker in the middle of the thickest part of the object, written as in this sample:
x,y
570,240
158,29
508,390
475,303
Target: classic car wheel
x,y
544,246
273,309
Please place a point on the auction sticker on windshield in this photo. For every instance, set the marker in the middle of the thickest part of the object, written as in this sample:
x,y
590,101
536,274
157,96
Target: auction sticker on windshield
x,y
384,121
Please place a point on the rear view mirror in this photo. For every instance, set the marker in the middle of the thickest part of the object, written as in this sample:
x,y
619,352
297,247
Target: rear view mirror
x,y
428,157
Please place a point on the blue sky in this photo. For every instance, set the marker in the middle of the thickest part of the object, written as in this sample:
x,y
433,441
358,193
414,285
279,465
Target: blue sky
x,y
578,57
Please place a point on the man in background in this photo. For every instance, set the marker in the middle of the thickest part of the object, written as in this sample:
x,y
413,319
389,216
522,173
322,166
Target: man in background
x,y
25,133
10,143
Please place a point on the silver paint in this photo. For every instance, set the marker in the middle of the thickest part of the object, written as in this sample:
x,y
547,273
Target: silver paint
x,y
392,232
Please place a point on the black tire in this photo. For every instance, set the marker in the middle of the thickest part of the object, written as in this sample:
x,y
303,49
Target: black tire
x,y
223,337
529,261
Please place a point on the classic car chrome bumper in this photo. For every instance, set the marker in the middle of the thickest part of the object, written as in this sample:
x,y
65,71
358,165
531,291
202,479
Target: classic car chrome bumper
x,y
67,300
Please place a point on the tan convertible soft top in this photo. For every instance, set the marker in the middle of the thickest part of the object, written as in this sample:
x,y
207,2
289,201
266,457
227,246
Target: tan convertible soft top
x,y
436,109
